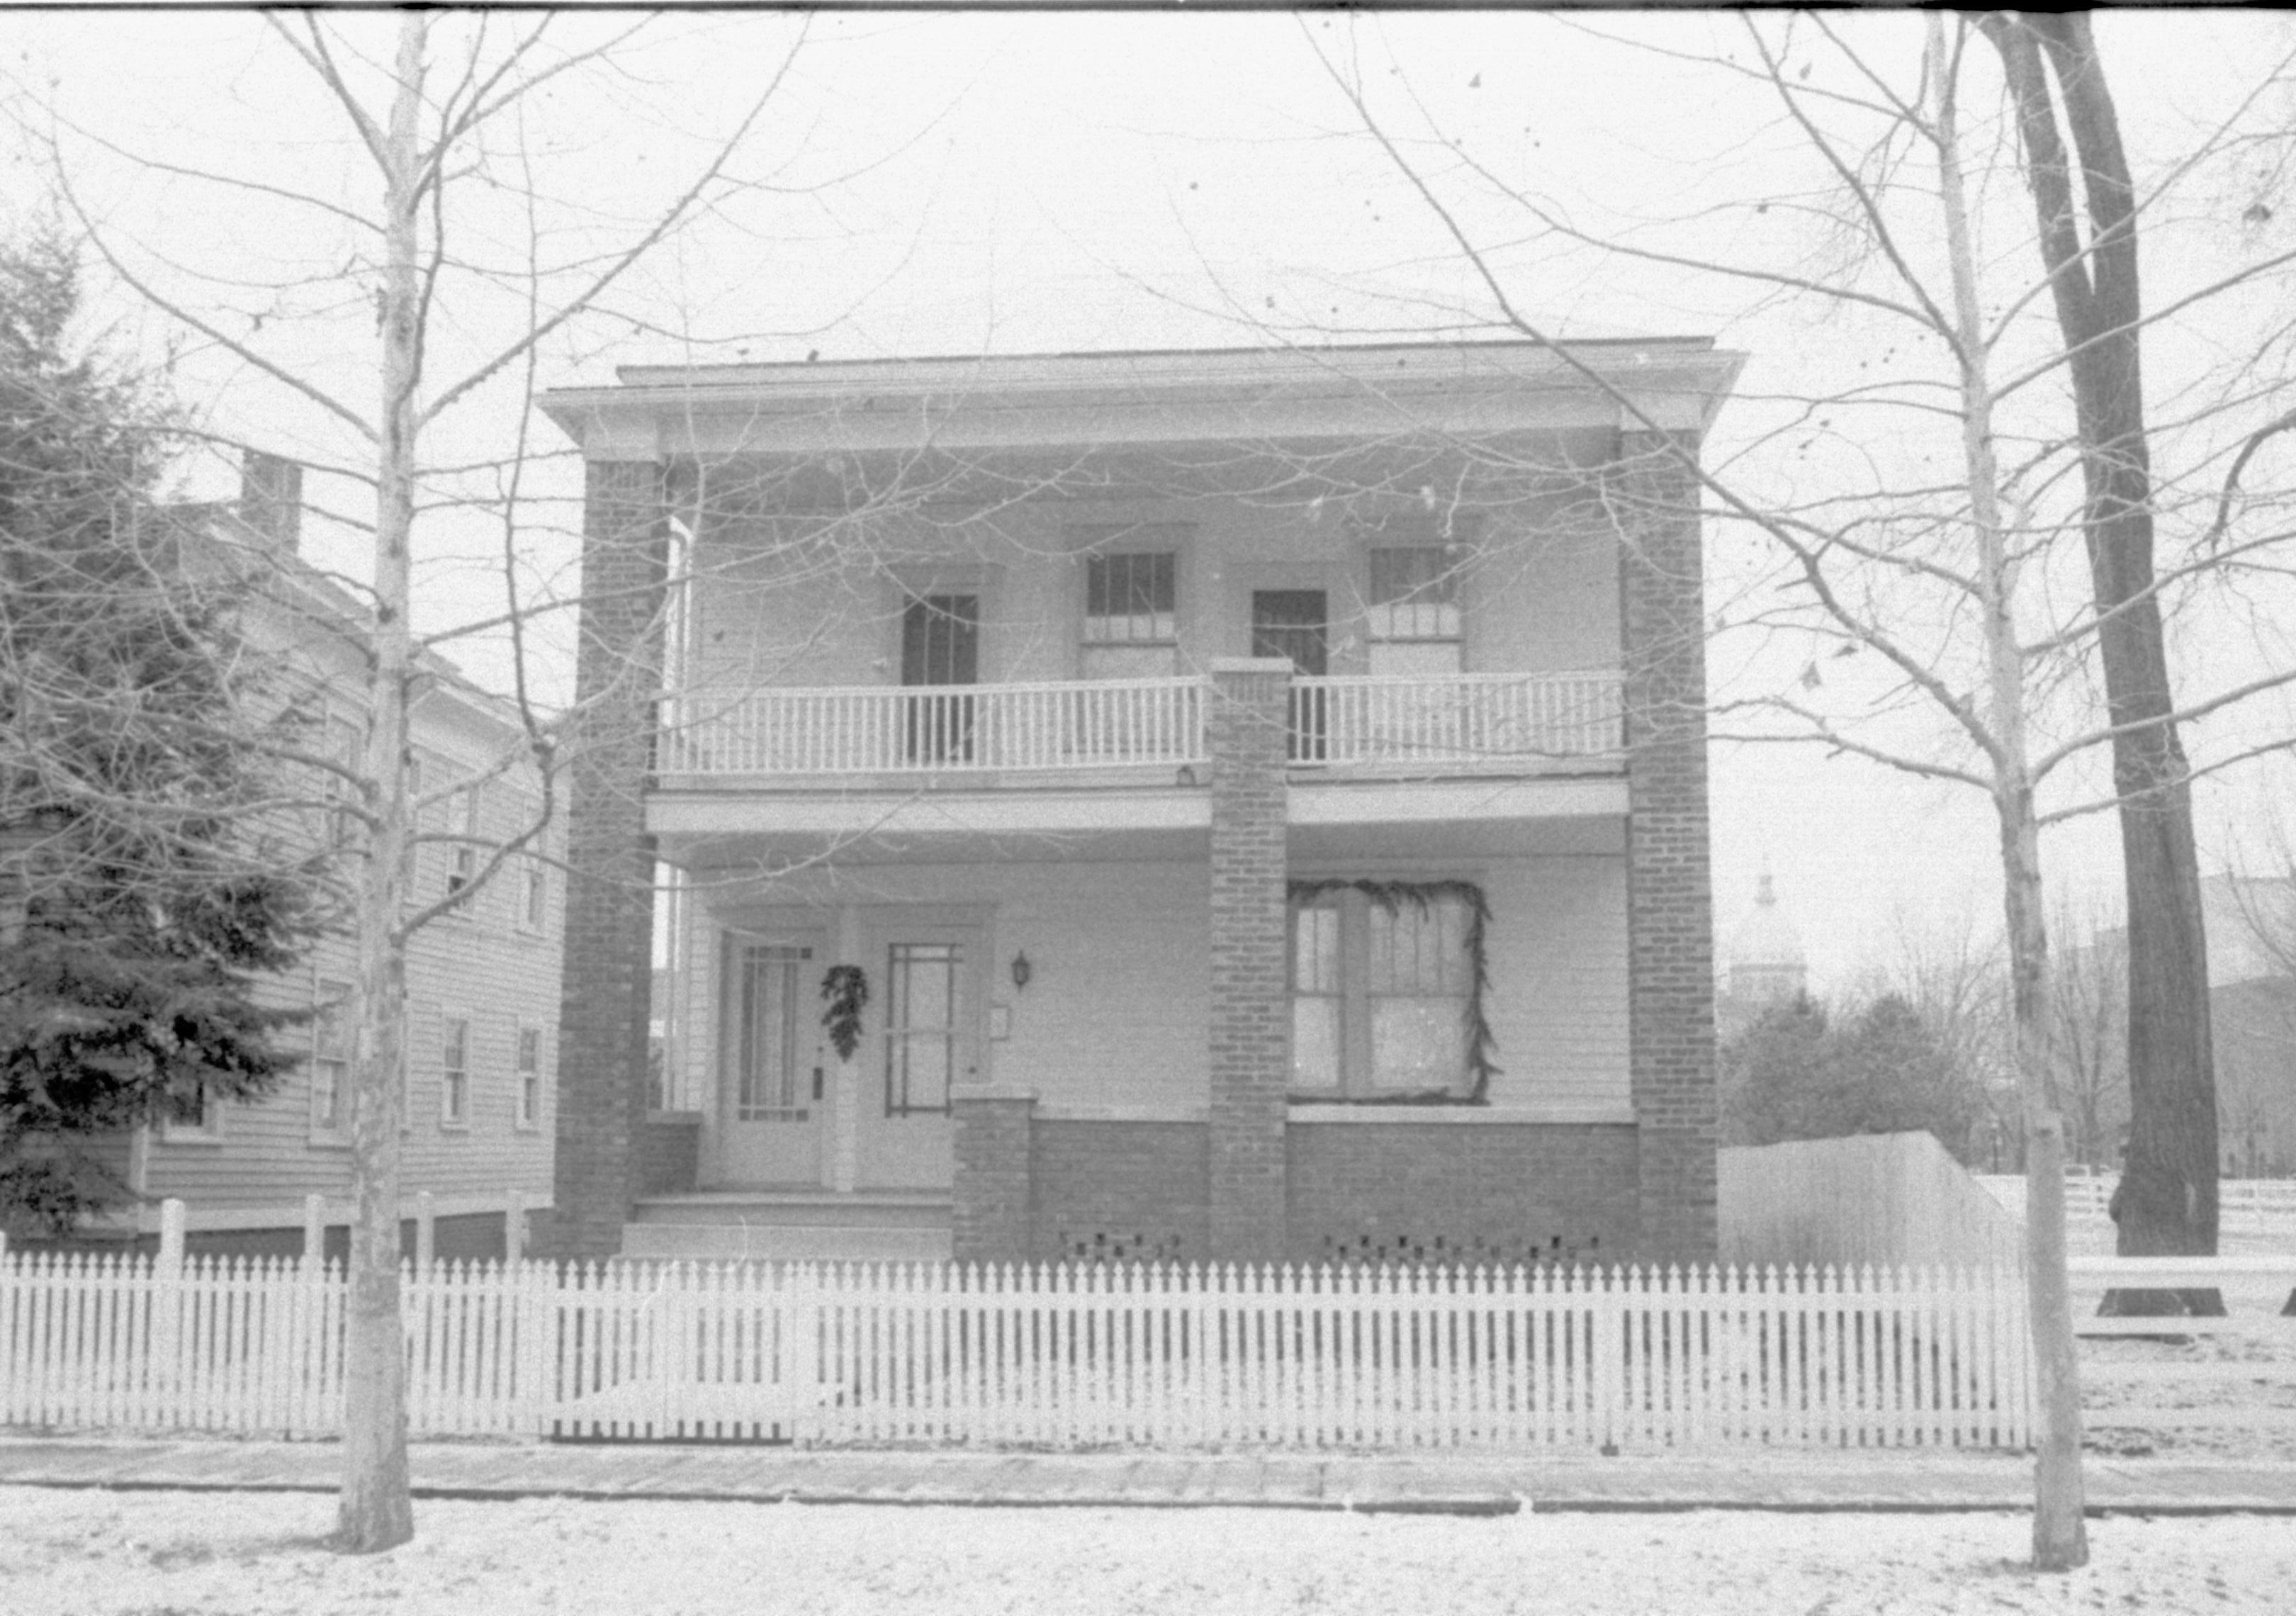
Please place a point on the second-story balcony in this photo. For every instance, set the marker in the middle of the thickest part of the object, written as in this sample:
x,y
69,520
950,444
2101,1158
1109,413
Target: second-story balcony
x,y
1448,724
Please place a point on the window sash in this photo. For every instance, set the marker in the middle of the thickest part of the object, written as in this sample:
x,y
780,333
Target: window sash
x,y
1379,997
1131,596
454,1073
924,988
529,1076
1414,595
330,1057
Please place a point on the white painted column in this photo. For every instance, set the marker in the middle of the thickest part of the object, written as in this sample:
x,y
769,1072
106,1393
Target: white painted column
x,y
845,1075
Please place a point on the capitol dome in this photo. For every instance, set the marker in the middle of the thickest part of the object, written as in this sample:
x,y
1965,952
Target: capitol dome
x,y
1765,959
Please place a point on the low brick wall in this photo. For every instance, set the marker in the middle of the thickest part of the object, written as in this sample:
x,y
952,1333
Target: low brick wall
x,y
669,1152
1359,1190
1128,1190
1481,1192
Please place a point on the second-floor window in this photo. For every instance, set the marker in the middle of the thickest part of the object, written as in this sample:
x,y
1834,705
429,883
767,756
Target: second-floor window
x,y
534,905
463,864
1131,614
1413,622
1129,597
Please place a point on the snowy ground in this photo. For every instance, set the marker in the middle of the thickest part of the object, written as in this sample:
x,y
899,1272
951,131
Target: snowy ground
x,y
105,1553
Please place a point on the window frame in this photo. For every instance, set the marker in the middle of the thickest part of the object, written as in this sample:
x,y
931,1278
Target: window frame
x,y
207,1131
534,898
328,994
465,815
529,1037
455,1073
1161,622
1113,655
899,1036
1424,618
1354,902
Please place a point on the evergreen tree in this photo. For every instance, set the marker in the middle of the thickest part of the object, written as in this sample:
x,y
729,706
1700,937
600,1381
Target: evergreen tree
x,y
137,895
1797,1073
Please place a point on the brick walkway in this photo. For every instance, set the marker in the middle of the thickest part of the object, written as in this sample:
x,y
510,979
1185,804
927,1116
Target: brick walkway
x,y
1781,1480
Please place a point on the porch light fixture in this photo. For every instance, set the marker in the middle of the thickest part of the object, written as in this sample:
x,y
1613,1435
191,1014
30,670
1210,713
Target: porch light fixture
x,y
1022,971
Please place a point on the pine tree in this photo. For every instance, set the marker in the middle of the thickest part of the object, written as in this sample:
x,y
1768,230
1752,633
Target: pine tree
x,y
138,902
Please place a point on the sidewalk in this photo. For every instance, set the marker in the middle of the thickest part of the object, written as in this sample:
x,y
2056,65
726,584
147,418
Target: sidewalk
x,y
1781,1479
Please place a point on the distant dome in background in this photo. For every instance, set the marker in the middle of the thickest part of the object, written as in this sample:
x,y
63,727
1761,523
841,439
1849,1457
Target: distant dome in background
x,y
1765,959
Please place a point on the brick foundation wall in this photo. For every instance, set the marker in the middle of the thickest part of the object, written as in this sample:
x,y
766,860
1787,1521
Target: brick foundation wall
x,y
1669,892
1124,1191
603,1009
670,1156
1250,1007
990,1193
1485,1192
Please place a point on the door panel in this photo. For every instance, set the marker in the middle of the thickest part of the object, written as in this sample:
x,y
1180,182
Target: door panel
x,y
941,644
1296,624
928,1040
772,1115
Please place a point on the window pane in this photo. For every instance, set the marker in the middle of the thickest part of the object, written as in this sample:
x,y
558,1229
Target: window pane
x,y
1315,1043
1412,596
920,1025
1418,1042
1316,949
1422,574
1130,595
1419,949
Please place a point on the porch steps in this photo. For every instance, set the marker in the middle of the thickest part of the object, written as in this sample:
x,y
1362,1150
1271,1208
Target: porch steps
x,y
791,1226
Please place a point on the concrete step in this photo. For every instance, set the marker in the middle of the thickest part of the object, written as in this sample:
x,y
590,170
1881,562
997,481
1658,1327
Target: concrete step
x,y
775,1243
797,1208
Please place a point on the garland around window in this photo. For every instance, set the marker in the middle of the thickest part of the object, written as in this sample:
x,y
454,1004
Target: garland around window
x,y
1481,1042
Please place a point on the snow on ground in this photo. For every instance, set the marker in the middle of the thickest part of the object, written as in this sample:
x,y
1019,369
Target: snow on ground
x,y
158,1554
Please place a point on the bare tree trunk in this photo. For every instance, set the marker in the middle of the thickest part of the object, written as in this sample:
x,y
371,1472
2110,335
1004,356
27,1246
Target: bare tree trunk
x,y
2060,1531
2166,1202
376,1510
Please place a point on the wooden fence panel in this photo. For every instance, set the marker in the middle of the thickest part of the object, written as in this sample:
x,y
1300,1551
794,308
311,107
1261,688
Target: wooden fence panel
x,y
1161,1357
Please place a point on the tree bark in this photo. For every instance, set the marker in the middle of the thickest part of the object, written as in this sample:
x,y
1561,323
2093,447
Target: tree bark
x,y
375,1510
2166,1204
2060,1531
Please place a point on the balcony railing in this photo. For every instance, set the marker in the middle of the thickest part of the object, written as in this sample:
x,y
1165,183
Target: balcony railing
x,y
1457,721
931,729
1452,724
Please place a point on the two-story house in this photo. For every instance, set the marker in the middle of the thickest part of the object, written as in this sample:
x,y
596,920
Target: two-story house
x,y
482,981
1246,805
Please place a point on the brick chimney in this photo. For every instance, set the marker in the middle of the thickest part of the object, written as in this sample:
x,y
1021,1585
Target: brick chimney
x,y
271,497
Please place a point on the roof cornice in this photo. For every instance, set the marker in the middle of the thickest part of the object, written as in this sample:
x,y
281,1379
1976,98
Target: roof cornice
x,y
1109,399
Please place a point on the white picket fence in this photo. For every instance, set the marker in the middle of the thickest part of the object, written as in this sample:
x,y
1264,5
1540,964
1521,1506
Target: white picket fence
x,y
1062,1356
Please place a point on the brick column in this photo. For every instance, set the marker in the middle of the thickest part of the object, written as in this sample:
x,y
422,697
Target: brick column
x,y
607,989
1670,893
1251,996
991,1206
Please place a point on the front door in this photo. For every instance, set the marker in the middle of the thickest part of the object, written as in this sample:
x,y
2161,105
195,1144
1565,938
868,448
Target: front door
x,y
772,1121
928,1042
1296,624
941,644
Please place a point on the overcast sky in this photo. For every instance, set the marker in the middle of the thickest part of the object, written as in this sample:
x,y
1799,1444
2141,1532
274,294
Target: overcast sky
x,y
995,182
